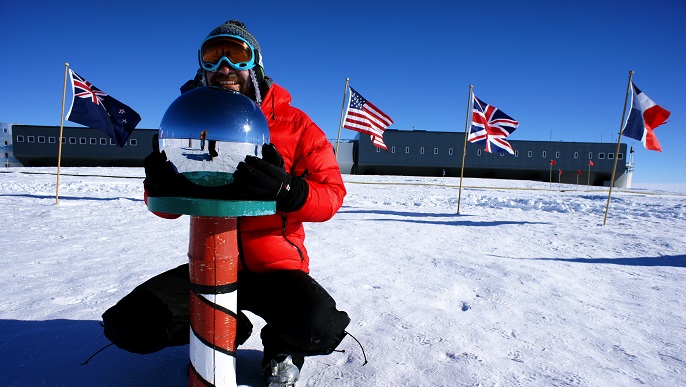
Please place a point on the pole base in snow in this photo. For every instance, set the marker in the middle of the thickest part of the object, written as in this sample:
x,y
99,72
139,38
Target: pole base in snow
x,y
213,266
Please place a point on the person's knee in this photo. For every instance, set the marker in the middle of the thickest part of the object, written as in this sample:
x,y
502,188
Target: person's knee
x,y
141,323
327,331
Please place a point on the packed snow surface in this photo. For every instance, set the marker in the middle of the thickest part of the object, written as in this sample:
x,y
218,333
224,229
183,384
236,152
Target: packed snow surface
x,y
524,287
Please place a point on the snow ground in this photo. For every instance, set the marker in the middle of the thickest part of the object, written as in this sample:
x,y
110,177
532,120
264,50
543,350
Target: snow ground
x,y
525,287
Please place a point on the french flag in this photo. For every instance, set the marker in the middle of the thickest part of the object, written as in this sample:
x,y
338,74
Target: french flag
x,y
644,117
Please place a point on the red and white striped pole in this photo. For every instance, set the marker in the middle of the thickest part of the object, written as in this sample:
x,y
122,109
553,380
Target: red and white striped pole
x,y
213,265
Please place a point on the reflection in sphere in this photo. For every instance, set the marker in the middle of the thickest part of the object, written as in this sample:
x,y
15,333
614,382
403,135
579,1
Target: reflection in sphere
x,y
212,129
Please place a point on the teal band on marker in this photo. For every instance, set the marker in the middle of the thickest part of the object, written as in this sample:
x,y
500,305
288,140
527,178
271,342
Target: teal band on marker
x,y
210,207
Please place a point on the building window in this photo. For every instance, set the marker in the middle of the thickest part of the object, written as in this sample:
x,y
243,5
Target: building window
x,y
576,155
478,152
64,140
83,141
41,139
590,155
392,148
112,142
530,154
435,151
450,151
557,154
544,154
72,140
516,153
30,139
611,156
407,149
94,141
378,150
103,141
620,156
601,156
52,139
501,154
421,150
20,138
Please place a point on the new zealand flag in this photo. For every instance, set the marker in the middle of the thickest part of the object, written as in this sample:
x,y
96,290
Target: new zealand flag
x,y
95,109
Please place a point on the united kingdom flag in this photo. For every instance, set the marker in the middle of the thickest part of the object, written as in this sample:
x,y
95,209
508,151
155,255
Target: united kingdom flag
x,y
491,126
95,109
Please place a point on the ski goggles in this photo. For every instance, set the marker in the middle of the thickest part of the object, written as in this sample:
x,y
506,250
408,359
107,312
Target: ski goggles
x,y
236,51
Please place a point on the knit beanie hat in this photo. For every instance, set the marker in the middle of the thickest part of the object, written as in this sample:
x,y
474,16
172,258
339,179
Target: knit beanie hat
x,y
236,27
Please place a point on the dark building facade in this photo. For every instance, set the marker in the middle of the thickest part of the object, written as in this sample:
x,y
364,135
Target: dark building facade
x,y
425,153
410,153
37,146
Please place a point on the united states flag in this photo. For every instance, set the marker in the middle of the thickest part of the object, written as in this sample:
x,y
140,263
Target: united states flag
x,y
491,126
362,116
95,109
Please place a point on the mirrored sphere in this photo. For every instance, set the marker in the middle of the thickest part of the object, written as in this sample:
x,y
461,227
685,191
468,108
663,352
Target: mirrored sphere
x,y
212,129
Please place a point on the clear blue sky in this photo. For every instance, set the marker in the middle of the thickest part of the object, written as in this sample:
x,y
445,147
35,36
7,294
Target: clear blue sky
x,y
559,68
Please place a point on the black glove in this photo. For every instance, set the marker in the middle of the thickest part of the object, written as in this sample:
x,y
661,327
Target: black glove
x,y
266,179
162,180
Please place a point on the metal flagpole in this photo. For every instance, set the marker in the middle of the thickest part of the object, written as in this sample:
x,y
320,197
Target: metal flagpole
x,y
340,123
59,146
619,141
464,148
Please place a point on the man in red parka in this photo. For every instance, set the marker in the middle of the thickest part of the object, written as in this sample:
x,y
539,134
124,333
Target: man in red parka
x,y
300,172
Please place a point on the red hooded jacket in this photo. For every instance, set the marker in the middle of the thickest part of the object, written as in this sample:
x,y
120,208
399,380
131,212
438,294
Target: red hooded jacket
x,y
276,242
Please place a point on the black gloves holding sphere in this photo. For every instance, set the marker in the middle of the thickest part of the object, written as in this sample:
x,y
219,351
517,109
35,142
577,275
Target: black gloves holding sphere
x,y
161,177
263,179
266,179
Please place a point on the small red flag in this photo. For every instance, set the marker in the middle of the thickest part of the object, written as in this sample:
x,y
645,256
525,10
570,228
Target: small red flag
x,y
578,172
560,172
552,162
590,162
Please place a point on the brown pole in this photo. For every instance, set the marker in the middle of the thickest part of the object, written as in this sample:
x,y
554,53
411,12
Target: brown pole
x,y
59,146
464,148
340,122
619,142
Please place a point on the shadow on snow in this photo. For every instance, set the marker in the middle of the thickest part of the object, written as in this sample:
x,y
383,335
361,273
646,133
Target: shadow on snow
x,y
668,260
426,218
51,352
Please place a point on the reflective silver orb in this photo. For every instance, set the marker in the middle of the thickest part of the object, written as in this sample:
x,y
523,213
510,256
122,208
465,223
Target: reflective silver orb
x,y
212,129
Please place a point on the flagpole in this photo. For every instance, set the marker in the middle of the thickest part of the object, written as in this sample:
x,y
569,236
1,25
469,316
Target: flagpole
x,y
59,146
340,123
588,185
464,148
550,178
619,141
